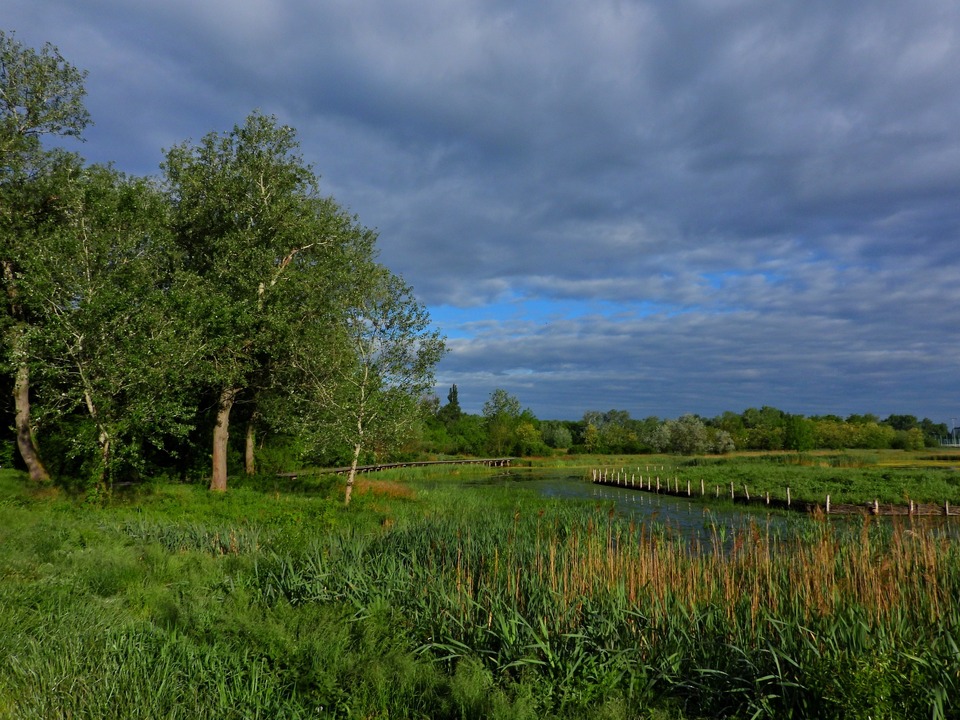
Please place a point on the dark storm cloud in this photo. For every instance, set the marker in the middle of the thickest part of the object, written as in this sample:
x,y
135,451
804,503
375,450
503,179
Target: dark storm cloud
x,y
761,196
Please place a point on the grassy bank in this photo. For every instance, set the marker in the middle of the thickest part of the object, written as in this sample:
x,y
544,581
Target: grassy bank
x,y
430,599
849,477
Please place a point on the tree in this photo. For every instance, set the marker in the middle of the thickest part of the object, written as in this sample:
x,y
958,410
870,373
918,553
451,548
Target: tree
x,y
799,434
451,412
105,340
40,95
369,396
556,434
257,240
686,436
501,413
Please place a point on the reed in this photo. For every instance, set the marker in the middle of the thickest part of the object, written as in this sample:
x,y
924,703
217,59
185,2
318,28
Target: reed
x,y
755,623
468,603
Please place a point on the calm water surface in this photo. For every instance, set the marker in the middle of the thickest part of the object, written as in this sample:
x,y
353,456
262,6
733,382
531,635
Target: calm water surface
x,y
693,519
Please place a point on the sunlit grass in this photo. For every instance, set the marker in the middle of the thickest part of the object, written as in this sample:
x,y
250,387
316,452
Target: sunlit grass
x,y
431,597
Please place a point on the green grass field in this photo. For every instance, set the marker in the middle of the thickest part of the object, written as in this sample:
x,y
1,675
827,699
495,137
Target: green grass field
x,y
428,598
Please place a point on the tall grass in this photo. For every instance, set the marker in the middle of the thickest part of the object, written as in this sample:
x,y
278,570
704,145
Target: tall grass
x,y
825,625
425,601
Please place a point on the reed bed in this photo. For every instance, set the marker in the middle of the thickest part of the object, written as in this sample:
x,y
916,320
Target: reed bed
x,y
832,624
465,602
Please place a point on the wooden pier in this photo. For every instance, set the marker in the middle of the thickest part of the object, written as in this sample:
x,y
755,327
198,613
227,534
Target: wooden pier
x,y
489,462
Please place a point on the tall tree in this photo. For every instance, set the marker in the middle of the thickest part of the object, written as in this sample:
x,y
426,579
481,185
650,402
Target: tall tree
x,y
108,343
501,413
41,94
249,221
369,395
451,412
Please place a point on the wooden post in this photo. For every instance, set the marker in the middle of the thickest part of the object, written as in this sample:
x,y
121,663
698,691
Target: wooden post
x,y
701,488
688,488
788,496
658,483
911,507
828,504
718,491
876,506
768,497
746,491
731,491
946,507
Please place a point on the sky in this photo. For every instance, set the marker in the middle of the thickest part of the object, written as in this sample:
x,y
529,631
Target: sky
x,y
663,207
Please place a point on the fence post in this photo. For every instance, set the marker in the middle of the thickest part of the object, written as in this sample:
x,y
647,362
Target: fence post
x,y
701,487
788,496
828,504
731,491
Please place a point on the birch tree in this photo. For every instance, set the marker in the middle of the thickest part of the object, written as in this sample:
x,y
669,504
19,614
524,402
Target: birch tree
x,y
368,395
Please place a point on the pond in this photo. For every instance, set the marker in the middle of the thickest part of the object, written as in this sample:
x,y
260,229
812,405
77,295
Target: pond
x,y
692,519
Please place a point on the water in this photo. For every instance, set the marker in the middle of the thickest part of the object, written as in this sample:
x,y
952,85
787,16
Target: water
x,y
692,519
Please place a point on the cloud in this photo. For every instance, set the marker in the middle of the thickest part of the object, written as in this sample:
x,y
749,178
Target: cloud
x,y
661,207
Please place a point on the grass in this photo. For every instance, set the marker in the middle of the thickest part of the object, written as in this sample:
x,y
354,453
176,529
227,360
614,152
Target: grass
x,y
850,477
433,598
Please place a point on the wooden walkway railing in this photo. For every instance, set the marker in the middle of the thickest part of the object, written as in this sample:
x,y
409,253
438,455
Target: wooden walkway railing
x,y
672,486
489,462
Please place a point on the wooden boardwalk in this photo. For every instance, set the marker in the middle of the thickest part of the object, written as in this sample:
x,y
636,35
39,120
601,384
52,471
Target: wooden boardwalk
x,y
673,488
489,462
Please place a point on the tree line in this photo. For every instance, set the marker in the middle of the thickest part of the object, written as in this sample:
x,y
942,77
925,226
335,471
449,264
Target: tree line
x,y
145,318
504,428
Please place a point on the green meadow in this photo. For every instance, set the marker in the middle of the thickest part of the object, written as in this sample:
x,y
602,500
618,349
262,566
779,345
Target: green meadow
x,y
431,597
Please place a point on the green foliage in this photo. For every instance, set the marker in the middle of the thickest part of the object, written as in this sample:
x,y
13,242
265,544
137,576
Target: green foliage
x,y
465,602
40,94
501,414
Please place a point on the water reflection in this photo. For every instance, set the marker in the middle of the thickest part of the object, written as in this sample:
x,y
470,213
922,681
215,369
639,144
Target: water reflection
x,y
690,519
698,520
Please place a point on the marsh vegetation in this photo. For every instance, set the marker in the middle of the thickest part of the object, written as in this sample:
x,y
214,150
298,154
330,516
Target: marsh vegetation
x,y
435,595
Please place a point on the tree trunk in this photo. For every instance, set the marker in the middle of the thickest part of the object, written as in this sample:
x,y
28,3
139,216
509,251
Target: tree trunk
x,y
103,437
221,434
21,385
28,451
353,474
249,462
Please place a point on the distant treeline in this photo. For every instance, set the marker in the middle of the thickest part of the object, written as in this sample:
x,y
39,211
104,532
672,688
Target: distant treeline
x,y
504,428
